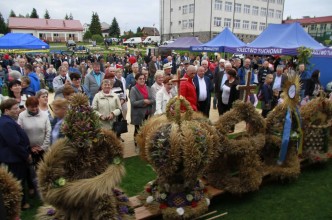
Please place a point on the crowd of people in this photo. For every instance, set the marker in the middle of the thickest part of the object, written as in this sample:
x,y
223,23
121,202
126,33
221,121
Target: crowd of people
x,y
29,125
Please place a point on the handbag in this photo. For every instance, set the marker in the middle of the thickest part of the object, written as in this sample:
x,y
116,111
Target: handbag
x,y
120,126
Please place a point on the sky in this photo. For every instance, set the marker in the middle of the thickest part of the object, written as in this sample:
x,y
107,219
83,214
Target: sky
x,y
131,14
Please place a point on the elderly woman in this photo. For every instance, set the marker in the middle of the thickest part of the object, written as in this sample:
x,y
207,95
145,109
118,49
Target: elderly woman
x,y
107,104
164,95
42,96
37,126
158,78
142,103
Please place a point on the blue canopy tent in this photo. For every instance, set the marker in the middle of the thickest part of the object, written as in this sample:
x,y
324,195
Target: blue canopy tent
x,y
226,41
182,43
22,41
280,39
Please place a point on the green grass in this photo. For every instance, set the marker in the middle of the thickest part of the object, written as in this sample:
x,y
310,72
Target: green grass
x,y
309,197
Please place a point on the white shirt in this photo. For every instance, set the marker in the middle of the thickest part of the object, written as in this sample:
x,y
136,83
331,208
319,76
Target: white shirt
x,y
223,80
202,89
277,83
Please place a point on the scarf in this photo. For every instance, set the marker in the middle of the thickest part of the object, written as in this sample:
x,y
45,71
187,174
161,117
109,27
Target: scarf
x,y
143,90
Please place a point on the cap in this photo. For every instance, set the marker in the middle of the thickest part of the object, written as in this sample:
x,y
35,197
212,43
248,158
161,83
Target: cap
x,y
167,66
222,61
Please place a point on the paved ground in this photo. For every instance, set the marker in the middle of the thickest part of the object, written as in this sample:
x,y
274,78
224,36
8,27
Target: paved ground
x,y
128,144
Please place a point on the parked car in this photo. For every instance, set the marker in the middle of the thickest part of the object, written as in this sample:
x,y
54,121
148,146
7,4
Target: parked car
x,y
152,40
133,41
168,42
71,43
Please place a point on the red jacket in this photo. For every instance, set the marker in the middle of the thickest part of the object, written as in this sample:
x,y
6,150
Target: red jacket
x,y
188,90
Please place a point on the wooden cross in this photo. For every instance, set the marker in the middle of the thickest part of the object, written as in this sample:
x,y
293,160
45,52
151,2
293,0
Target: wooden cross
x,y
178,80
246,88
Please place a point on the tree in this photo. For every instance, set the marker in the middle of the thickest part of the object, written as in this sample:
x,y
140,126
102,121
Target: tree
x,y
87,35
70,16
130,33
98,38
12,14
95,26
21,16
114,29
47,15
27,15
3,25
66,17
139,30
34,13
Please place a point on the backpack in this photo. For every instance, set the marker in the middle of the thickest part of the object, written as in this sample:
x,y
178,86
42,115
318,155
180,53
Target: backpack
x,y
260,95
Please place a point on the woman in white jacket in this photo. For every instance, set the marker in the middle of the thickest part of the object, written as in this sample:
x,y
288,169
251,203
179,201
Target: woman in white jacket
x,y
107,104
164,95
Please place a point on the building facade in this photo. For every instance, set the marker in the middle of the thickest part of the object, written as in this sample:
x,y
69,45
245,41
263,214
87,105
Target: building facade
x,y
207,18
319,28
52,30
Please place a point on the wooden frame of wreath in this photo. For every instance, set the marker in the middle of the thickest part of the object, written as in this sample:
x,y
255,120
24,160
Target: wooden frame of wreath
x,y
238,167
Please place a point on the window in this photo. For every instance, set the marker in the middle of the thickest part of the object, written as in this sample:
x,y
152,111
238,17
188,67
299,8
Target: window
x,y
55,35
264,0
261,26
179,8
227,22
237,7
313,27
218,5
279,2
171,23
246,9
278,14
237,24
323,26
184,24
271,13
171,9
191,8
272,1
179,22
229,6
191,23
217,21
253,25
185,9
263,12
255,10
245,25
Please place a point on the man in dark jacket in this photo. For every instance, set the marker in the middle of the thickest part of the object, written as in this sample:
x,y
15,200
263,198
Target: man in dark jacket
x,y
14,143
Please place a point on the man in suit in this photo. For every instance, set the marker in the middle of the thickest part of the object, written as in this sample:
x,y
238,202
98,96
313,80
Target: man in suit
x,y
152,68
93,80
20,67
279,79
203,91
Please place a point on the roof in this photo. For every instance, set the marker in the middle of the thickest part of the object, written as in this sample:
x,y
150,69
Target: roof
x,y
44,24
290,37
104,26
150,31
326,19
182,43
220,43
21,41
